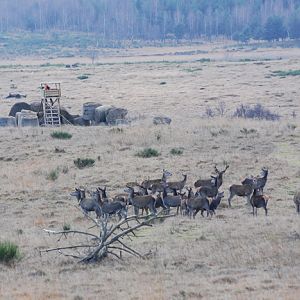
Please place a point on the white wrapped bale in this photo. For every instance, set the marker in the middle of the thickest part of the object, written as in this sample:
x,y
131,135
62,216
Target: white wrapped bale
x,y
89,110
7,121
27,118
101,113
115,115
161,120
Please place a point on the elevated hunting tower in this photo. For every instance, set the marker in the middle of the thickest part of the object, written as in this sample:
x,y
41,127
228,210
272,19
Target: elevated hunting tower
x,y
51,94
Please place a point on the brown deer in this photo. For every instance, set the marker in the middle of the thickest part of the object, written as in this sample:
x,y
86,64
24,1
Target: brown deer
x,y
171,201
297,202
87,205
241,190
149,182
177,185
207,182
259,200
138,202
196,203
258,182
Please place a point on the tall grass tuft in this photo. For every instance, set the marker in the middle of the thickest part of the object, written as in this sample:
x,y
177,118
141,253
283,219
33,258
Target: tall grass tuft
x,y
81,163
8,252
61,135
148,152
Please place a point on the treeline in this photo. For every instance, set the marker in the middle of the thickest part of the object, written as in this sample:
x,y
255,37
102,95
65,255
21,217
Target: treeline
x,y
156,19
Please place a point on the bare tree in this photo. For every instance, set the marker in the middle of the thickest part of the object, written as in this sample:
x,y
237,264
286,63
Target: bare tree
x,y
109,239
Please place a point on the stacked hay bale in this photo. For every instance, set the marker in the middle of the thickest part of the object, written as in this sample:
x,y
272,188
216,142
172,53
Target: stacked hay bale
x,y
27,118
7,121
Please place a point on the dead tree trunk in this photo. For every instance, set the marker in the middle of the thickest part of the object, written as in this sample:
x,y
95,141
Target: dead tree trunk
x,y
110,239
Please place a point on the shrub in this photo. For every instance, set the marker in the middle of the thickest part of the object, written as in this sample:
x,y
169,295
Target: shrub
x,y
53,175
81,163
148,152
61,135
286,73
8,252
66,227
256,112
176,151
82,77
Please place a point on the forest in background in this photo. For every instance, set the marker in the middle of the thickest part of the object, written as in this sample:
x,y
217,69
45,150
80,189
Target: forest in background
x,y
156,19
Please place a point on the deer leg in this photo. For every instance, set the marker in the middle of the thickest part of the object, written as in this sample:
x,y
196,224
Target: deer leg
x,y
298,208
136,211
253,210
195,213
229,199
266,211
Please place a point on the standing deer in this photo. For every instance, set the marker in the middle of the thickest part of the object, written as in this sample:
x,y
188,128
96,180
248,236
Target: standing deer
x,y
87,205
259,200
149,182
171,201
258,182
207,182
177,185
297,202
138,202
241,190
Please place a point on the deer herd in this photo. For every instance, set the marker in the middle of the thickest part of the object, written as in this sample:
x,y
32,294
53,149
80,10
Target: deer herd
x,y
153,194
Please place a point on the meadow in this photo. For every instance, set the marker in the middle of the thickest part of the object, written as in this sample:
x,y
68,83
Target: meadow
x,y
232,255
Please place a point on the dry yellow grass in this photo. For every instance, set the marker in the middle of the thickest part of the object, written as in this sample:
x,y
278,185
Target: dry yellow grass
x,y
232,255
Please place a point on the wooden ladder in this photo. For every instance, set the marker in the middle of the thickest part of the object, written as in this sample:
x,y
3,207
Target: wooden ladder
x,y
51,114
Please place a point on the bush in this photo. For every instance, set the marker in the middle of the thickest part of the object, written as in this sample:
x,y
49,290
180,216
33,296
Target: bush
x,y
176,151
66,227
148,152
53,175
81,163
61,135
286,73
8,252
82,77
256,112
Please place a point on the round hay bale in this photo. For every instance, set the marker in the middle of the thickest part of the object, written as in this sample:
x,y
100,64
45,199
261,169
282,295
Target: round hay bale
x,y
36,106
101,113
7,121
79,121
161,120
27,118
89,110
115,114
17,107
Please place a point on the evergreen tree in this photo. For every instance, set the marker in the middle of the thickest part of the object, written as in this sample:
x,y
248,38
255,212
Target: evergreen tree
x,y
274,29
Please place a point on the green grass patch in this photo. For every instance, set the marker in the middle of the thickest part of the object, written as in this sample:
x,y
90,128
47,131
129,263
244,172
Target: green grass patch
x,y
176,151
81,163
66,227
9,252
82,77
61,135
52,175
148,152
286,73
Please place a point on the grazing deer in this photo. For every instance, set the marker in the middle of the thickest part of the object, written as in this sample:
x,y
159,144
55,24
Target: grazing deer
x,y
196,203
297,202
258,182
138,202
241,190
87,205
177,185
207,182
259,200
110,208
171,201
149,182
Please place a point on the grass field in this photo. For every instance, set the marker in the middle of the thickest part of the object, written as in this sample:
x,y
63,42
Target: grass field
x,y
230,256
